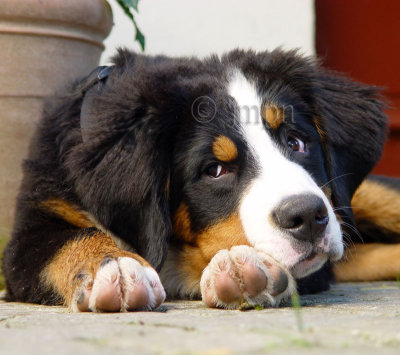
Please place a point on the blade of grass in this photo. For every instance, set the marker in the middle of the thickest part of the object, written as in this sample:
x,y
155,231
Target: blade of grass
x,y
297,310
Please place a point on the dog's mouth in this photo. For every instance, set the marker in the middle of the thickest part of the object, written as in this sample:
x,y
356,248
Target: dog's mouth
x,y
315,258
309,264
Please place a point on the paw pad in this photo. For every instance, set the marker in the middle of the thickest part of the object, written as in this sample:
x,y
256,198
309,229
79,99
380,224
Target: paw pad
x,y
244,274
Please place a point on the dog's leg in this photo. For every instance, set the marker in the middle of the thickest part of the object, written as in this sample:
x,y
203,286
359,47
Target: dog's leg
x,y
376,207
91,273
58,256
369,262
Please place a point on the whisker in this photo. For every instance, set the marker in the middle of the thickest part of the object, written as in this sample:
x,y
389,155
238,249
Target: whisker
x,y
342,208
349,244
347,241
350,226
353,229
337,177
362,208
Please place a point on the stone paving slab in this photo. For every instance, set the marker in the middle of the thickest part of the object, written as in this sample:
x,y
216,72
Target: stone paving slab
x,y
351,318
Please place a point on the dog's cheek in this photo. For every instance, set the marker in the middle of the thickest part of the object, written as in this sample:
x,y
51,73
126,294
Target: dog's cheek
x,y
196,249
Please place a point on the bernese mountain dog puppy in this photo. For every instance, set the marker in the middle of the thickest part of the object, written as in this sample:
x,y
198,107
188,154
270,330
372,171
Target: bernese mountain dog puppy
x,y
228,179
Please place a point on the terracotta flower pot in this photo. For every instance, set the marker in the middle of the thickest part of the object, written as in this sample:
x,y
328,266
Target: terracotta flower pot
x,y
43,43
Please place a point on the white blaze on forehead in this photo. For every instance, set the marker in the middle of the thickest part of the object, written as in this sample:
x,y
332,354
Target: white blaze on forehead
x,y
283,175
277,178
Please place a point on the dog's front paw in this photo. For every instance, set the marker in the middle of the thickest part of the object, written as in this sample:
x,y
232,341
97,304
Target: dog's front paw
x,y
243,274
121,284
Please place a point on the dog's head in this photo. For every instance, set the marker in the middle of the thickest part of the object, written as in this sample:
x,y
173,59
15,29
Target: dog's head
x,y
260,149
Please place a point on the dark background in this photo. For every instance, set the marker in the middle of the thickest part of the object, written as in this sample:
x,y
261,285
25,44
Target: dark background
x,y
361,38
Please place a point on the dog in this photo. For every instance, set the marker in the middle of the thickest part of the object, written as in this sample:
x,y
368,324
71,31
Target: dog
x,y
228,179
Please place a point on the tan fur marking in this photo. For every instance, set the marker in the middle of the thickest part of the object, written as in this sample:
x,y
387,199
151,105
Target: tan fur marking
x,y
224,149
273,115
80,256
223,235
181,224
67,212
369,262
377,204
319,127
328,193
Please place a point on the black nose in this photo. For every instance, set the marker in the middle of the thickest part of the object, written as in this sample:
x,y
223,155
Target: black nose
x,y
304,216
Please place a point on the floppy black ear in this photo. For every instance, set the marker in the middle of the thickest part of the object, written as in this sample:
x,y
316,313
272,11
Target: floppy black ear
x,y
120,170
352,114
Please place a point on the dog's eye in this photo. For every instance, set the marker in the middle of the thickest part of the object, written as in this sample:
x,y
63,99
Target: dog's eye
x,y
216,171
296,144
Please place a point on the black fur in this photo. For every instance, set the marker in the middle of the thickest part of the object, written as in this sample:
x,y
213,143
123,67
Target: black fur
x,y
128,150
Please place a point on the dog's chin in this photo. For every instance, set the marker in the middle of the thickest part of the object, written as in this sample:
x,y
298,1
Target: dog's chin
x,y
308,265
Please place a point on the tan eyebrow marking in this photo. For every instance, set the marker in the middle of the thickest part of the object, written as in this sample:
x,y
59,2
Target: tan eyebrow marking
x,y
273,115
224,149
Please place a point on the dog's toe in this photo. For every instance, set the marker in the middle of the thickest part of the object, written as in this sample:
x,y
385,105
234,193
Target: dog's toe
x,y
106,292
142,286
279,279
254,279
80,303
226,288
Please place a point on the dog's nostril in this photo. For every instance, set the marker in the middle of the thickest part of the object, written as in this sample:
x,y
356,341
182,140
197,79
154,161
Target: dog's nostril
x,y
297,222
321,215
322,219
304,216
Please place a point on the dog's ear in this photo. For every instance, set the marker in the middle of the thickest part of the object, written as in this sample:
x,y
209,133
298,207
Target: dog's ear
x,y
121,168
355,131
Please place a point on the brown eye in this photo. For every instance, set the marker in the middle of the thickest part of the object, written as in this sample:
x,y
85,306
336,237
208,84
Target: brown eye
x,y
296,144
216,171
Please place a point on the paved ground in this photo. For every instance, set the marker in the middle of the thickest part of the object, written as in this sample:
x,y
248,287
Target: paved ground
x,y
351,318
